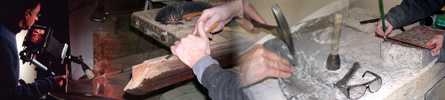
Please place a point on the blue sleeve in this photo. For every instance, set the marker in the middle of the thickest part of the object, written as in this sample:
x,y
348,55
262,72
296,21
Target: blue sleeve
x,y
9,73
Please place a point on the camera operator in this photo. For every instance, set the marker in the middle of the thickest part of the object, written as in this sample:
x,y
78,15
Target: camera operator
x,y
17,15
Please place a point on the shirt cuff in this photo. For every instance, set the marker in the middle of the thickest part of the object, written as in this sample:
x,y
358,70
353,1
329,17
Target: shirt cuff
x,y
201,65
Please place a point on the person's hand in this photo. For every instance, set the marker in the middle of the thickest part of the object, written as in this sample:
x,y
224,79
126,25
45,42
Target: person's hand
x,y
191,48
59,79
379,29
259,63
225,13
438,41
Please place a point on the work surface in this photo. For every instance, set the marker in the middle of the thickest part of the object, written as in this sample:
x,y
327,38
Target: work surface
x,y
160,72
311,79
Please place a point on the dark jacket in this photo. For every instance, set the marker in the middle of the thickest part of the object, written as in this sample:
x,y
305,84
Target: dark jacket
x,y
222,84
410,11
9,72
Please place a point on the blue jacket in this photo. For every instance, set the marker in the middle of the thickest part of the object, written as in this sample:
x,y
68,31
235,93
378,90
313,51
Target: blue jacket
x,y
9,72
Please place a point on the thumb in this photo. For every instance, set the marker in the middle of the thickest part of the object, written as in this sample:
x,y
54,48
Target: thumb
x,y
432,41
436,51
201,31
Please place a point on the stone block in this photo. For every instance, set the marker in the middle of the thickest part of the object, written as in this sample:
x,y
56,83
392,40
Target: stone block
x,y
400,55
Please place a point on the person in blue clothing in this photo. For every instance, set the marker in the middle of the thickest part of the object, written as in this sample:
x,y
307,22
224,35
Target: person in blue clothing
x,y
17,15
253,66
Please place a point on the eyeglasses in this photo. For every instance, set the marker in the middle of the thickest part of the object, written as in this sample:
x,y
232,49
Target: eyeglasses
x,y
38,14
357,91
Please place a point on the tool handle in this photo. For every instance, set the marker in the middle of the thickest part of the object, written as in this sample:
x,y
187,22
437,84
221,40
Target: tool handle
x,y
382,13
213,27
259,25
345,79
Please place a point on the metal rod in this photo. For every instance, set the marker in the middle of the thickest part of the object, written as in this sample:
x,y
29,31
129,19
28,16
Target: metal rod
x,y
146,4
38,64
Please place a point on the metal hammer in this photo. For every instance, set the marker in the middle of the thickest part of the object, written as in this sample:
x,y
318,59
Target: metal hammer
x,y
282,30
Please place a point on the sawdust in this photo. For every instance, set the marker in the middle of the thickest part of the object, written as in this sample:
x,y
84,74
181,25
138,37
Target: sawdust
x,y
150,68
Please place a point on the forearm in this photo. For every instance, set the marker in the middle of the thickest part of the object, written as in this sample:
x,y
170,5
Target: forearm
x,y
9,73
412,10
28,91
200,66
221,84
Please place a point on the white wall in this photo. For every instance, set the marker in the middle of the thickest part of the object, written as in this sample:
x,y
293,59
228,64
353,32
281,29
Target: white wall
x,y
27,71
299,10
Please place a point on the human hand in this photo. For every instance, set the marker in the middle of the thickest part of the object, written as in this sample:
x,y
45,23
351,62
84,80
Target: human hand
x,y
191,48
379,29
438,41
259,63
59,79
225,13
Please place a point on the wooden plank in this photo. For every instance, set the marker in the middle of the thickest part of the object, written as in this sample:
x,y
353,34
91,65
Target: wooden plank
x,y
159,72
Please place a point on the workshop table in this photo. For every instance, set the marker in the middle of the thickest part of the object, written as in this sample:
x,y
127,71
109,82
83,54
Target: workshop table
x,y
159,72
312,42
313,81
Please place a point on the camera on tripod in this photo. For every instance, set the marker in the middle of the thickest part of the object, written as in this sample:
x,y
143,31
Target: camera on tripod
x,y
40,42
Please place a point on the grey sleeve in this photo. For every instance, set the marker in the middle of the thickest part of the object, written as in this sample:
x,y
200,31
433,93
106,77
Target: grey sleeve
x,y
410,11
201,65
223,84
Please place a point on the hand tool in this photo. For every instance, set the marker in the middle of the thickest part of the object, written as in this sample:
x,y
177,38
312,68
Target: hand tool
x,y
175,13
333,60
383,19
282,30
344,81
208,31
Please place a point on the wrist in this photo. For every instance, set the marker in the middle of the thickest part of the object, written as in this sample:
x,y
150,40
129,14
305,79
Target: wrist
x,y
201,65
237,8
196,60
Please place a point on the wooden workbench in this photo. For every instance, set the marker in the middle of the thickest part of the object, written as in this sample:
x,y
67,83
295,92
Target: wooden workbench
x,y
160,72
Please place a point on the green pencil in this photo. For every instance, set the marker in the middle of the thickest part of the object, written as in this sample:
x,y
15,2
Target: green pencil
x,y
383,19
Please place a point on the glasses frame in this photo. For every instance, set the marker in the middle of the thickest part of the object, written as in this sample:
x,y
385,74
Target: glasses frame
x,y
345,90
32,12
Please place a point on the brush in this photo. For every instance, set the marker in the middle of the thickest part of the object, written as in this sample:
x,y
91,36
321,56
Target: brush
x,y
175,13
